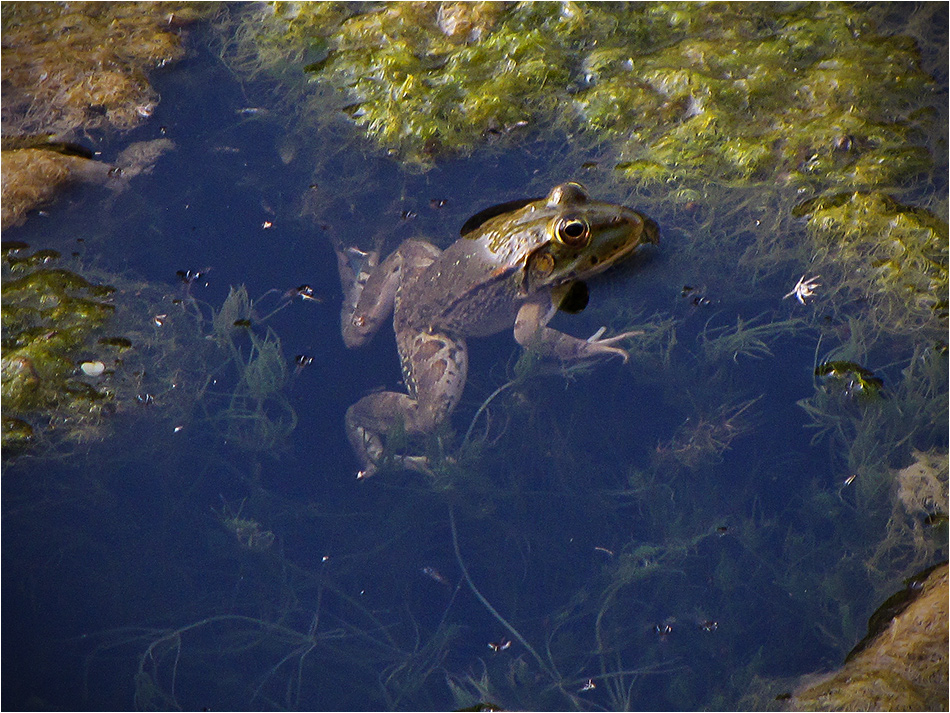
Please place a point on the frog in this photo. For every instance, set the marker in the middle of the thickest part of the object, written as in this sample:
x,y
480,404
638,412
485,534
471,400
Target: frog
x,y
513,267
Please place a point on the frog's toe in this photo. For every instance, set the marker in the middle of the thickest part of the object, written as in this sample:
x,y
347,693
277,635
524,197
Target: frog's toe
x,y
605,347
367,472
613,351
418,464
595,339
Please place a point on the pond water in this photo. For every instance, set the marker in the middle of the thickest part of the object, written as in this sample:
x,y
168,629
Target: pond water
x,y
674,532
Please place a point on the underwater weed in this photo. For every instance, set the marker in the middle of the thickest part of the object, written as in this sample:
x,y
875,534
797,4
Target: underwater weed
x,y
912,538
703,440
171,654
255,414
544,683
892,490
247,531
746,338
288,658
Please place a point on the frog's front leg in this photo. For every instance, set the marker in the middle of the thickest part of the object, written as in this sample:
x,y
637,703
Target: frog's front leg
x,y
369,290
434,369
531,332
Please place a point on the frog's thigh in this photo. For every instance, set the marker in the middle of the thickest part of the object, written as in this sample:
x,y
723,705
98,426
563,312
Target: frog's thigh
x,y
435,366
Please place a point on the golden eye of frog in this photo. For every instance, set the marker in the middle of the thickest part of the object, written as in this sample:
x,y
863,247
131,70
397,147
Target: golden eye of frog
x,y
513,267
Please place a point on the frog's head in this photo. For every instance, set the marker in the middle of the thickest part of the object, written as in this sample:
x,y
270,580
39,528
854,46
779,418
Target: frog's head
x,y
583,237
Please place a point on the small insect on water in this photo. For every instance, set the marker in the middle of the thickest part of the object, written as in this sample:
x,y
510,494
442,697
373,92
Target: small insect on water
x,y
434,574
302,361
500,645
804,288
304,292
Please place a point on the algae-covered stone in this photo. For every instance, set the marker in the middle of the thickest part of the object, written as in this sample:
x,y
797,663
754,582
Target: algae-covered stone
x,y
76,352
904,668
49,314
69,66
31,176
73,68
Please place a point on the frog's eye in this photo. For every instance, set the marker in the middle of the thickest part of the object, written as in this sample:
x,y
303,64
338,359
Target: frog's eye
x,y
573,231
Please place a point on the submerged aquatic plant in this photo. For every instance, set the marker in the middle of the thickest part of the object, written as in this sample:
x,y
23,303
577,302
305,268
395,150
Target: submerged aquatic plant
x,y
876,433
247,531
705,438
255,414
914,537
560,676
78,353
899,251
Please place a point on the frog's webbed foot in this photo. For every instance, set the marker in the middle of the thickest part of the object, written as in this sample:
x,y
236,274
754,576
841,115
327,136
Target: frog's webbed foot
x,y
374,416
434,368
531,332
356,262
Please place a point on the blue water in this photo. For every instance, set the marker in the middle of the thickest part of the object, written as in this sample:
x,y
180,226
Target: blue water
x,y
118,572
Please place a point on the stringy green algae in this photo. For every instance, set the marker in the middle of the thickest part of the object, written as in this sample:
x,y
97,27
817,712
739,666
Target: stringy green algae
x,y
696,103
722,92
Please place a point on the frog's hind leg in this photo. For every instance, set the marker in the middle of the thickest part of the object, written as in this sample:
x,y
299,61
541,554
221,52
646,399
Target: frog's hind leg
x,y
434,367
371,417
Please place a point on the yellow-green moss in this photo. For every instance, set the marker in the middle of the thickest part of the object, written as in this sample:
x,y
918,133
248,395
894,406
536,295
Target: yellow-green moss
x,y
711,92
903,669
49,316
72,65
898,253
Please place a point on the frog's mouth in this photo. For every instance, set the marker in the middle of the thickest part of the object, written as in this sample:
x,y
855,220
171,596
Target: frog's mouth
x,y
616,248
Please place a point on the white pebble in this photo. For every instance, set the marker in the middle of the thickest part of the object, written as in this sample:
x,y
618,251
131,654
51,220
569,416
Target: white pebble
x,y
92,368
